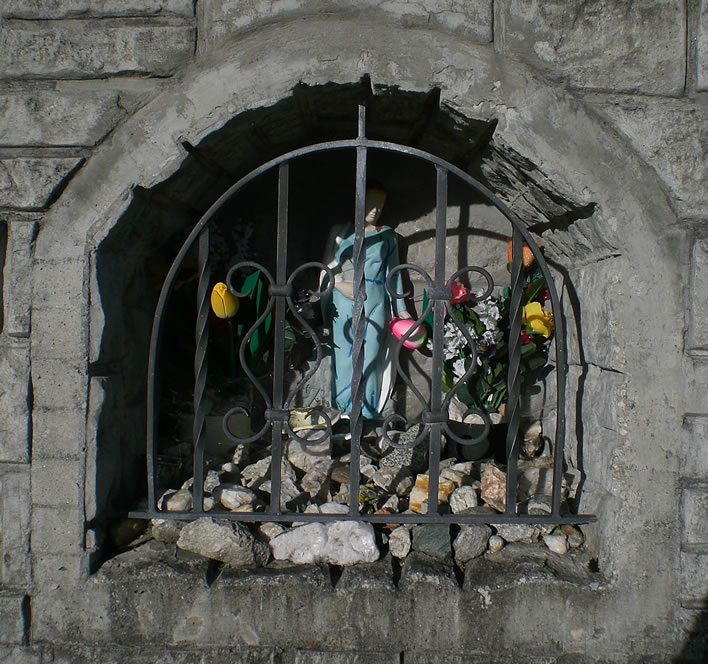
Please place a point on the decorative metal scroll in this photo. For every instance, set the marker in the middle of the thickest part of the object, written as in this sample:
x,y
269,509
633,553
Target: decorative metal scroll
x,y
278,404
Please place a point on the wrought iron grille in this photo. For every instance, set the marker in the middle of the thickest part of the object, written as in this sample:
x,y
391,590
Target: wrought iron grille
x,y
434,422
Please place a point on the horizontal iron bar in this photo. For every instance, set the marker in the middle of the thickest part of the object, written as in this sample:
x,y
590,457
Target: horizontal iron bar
x,y
534,519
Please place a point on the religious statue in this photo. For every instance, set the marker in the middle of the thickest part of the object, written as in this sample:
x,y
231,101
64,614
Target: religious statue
x,y
381,251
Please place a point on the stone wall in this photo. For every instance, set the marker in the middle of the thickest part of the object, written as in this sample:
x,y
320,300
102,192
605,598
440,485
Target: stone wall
x,y
608,98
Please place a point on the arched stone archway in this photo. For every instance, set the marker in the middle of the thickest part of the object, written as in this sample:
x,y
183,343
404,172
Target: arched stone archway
x,y
629,336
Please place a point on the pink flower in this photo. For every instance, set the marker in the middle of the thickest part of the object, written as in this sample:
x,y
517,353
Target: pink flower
x,y
526,338
459,293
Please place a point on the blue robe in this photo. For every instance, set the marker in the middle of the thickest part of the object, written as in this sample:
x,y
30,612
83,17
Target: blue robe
x,y
381,257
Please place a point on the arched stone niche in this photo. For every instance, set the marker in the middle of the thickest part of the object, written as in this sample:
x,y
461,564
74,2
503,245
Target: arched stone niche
x,y
607,239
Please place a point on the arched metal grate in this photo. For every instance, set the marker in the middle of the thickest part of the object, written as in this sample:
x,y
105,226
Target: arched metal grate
x,y
434,419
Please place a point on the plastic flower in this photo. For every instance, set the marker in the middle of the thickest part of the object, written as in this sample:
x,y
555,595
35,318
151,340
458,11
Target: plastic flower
x,y
538,319
527,257
223,303
459,293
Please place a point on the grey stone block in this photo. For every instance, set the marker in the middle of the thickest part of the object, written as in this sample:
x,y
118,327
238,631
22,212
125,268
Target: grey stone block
x,y
79,8
697,386
19,655
57,530
18,277
694,515
601,45
57,483
697,334
694,446
61,569
29,183
13,629
672,137
86,49
61,331
471,19
356,657
59,283
14,526
14,400
58,117
702,48
59,383
58,433
694,578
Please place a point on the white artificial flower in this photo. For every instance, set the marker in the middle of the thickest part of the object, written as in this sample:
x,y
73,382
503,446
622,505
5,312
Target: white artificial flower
x,y
458,368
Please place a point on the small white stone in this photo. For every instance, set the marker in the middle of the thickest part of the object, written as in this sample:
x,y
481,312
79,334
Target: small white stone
x,y
269,530
327,508
175,501
232,496
316,477
391,504
399,542
238,455
209,503
211,481
496,543
463,498
465,467
556,543
335,543
454,476
386,477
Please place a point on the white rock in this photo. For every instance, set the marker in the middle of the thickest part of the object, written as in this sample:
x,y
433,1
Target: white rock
x,y
327,508
209,503
175,501
556,543
303,456
211,481
368,470
233,496
464,467
399,542
269,530
316,477
335,543
288,490
573,533
496,543
238,454
463,498
454,476
387,477
391,504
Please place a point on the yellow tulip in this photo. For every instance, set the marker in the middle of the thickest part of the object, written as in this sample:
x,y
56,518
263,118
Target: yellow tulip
x,y
540,320
223,303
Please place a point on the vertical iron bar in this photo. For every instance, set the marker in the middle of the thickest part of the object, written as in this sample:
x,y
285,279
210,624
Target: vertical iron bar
x,y
561,368
438,325
200,372
358,319
513,406
278,342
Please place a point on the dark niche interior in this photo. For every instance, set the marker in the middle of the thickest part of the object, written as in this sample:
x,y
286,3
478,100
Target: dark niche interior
x,y
132,262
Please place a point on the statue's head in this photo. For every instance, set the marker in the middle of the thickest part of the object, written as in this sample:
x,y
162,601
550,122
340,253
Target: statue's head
x,y
375,199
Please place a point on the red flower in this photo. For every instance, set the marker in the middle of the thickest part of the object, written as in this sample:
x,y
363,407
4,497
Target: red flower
x,y
459,293
526,338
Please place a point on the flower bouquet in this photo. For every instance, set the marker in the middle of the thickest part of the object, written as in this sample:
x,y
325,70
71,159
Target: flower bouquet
x,y
487,322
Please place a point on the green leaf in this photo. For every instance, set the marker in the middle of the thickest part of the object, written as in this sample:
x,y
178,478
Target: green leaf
x,y
533,290
528,349
536,363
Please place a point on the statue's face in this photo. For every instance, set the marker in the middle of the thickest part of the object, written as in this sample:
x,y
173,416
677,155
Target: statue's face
x,y
375,200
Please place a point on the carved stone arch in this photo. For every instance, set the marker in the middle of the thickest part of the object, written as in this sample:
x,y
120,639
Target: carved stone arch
x,y
612,257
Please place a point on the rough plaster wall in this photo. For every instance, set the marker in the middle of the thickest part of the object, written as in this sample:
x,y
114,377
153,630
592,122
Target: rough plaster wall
x,y
72,71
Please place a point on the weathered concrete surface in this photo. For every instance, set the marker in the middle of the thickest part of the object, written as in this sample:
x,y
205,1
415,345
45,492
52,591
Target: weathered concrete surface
x,y
12,623
600,44
14,400
702,48
220,19
41,9
58,49
29,182
18,277
14,526
697,333
672,135
694,459
57,117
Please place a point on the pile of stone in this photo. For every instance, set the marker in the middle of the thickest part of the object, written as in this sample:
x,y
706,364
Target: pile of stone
x,y
315,478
